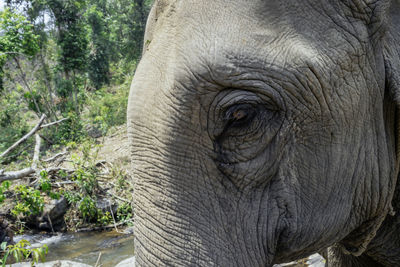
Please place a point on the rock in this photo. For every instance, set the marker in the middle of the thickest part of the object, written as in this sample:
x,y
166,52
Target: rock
x,y
93,131
128,231
104,205
53,214
51,264
314,260
130,262
6,234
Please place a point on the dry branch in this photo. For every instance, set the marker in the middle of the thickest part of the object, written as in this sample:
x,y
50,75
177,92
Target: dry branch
x,y
23,139
55,157
16,175
57,169
38,127
98,260
120,198
89,229
53,123
36,152
27,171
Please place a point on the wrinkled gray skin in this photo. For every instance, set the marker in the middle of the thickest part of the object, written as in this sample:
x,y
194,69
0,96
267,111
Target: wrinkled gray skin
x,y
265,130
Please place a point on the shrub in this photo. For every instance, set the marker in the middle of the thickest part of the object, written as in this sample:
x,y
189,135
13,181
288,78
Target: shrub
x,y
12,124
29,201
108,109
3,188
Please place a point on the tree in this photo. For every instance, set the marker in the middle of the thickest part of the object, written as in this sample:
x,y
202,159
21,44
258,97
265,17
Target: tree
x,y
73,43
129,21
17,38
99,57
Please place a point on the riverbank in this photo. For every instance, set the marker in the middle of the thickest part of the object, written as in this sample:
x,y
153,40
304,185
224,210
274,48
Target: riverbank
x,y
82,187
107,248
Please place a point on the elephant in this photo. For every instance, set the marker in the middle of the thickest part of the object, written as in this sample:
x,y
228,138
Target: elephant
x,y
262,131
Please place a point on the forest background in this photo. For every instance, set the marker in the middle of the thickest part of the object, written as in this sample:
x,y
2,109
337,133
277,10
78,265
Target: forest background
x,y
67,59
70,62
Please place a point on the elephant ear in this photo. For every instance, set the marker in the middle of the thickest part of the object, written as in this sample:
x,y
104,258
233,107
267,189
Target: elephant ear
x,y
373,12
389,42
156,19
392,56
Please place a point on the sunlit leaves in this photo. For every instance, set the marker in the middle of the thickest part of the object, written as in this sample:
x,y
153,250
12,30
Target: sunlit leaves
x,y
16,35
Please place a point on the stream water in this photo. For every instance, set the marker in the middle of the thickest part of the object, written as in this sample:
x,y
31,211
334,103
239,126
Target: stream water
x,y
85,247
114,247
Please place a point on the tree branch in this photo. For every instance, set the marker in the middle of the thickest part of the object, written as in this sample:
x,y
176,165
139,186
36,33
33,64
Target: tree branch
x,y
38,127
37,152
16,175
27,171
55,157
23,139
53,123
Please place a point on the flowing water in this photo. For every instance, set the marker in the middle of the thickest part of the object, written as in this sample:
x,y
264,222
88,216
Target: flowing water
x,y
85,247
114,247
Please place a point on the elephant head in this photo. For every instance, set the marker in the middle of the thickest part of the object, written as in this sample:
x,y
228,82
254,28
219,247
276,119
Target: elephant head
x,y
264,130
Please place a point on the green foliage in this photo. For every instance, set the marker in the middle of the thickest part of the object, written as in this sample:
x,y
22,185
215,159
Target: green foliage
x,y
17,35
109,109
44,182
31,98
69,131
128,25
104,218
72,197
53,54
87,207
21,252
85,44
85,178
12,122
99,58
16,38
46,186
72,35
29,201
124,212
3,188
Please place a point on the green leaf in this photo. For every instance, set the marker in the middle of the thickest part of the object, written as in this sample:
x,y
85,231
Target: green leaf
x,y
35,256
3,246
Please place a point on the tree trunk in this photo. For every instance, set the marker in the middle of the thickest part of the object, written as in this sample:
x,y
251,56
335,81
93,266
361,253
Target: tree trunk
x,y
27,86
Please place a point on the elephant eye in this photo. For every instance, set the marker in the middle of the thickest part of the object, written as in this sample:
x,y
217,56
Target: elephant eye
x,y
240,115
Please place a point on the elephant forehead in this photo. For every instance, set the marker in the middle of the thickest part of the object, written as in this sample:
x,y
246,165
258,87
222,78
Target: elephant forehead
x,y
211,45
205,35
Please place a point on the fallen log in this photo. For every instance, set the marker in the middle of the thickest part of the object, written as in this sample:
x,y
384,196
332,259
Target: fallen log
x,y
15,175
6,176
